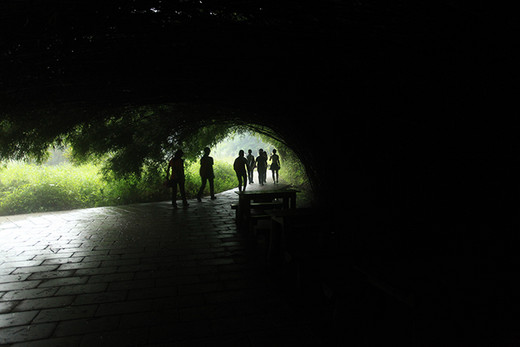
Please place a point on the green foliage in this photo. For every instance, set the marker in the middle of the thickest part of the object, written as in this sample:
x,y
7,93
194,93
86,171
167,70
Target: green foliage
x,y
225,178
228,149
28,188
132,145
123,159
129,140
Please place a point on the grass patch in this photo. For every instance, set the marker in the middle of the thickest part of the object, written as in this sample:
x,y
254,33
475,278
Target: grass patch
x,y
26,188
29,188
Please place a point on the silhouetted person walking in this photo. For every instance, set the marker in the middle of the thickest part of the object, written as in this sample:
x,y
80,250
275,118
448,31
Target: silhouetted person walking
x,y
206,174
264,153
275,165
251,164
261,164
177,178
240,167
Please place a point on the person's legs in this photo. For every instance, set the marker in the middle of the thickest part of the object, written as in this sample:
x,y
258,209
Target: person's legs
x,y
174,193
261,176
202,187
212,188
241,177
244,177
183,193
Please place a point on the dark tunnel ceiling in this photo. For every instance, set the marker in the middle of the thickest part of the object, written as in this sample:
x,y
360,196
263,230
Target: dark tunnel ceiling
x,y
149,51
303,63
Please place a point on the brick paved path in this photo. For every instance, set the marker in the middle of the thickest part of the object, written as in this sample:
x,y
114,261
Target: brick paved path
x,y
141,274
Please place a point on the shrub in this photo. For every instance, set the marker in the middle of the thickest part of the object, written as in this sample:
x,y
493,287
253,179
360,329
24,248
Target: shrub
x,y
27,188
225,178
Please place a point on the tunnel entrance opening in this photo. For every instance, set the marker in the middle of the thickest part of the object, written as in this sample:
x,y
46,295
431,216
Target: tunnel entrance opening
x,y
225,147
123,160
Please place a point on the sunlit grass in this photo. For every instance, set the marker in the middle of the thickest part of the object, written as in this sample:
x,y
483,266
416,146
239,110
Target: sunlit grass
x,y
26,188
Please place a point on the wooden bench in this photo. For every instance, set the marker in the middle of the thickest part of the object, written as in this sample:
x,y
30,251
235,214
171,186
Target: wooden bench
x,y
257,211
253,204
272,205
261,205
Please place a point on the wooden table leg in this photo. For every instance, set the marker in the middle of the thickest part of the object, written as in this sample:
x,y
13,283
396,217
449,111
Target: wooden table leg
x,y
244,210
274,247
293,200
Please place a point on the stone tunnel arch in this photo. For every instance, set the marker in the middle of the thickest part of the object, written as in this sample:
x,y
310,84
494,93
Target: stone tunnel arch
x,y
261,123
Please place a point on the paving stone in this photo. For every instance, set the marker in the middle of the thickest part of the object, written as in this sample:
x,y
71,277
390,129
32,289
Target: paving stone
x,y
82,265
33,269
121,337
85,326
101,258
21,263
43,303
181,331
16,318
131,285
90,253
53,255
65,313
172,280
4,287
135,275
52,342
7,306
112,277
50,275
116,308
29,294
63,260
95,271
82,289
149,319
64,281
26,333
95,298
136,267
152,293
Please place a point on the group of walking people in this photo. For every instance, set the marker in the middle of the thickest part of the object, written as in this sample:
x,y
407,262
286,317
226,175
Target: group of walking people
x,y
244,168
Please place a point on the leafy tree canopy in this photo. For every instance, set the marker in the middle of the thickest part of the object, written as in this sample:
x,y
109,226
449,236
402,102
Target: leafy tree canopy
x,y
126,139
